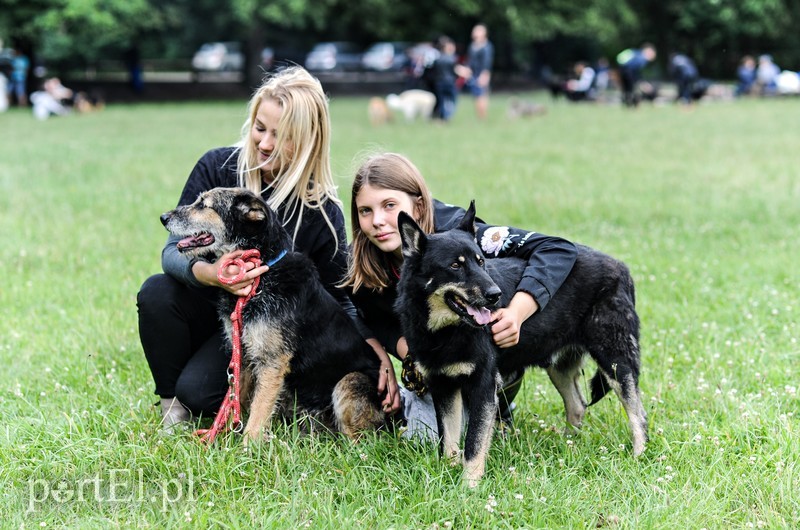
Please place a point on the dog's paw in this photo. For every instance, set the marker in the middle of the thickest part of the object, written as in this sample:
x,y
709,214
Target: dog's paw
x,y
254,436
472,475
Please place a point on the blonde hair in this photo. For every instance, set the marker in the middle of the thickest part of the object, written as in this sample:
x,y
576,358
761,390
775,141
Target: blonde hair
x,y
367,263
305,179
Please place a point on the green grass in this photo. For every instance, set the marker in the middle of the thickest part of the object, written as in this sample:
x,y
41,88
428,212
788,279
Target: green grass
x,y
702,206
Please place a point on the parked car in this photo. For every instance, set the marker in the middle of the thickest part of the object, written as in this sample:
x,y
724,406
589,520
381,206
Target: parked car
x,y
334,56
219,57
276,58
386,56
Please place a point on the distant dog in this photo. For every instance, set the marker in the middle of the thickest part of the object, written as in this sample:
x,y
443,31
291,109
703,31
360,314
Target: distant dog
x,y
412,104
445,294
301,353
88,102
520,108
378,111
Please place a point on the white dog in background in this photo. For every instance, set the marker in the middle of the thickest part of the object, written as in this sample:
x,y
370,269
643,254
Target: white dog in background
x,y
412,104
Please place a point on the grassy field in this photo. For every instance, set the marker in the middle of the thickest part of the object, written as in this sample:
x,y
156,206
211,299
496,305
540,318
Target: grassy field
x,y
703,206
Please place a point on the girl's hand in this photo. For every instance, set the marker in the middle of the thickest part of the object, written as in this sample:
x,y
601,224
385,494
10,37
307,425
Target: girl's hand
x,y
505,330
387,380
206,273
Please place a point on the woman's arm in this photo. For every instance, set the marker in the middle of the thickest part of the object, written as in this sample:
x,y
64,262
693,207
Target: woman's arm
x,y
212,170
550,260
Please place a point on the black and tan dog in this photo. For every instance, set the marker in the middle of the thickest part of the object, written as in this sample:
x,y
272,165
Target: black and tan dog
x,y
445,294
301,353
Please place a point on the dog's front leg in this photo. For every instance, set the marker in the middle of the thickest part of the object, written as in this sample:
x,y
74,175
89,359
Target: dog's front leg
x,y
268,386
483,405
449,414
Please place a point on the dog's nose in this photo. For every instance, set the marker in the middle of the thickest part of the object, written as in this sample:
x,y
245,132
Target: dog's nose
x,y
165,218
493,295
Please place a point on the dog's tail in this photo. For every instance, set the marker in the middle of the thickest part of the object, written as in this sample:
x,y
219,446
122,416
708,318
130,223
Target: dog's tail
x,y
599,387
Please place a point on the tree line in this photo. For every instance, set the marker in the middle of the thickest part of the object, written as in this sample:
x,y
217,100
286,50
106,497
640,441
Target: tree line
x,y
528,34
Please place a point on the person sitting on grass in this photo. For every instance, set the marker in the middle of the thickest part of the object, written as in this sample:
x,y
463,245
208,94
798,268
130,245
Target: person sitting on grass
x,y
389,183
284,156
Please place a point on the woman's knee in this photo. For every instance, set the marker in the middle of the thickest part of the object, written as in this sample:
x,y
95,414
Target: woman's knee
x,y
156,291
200,397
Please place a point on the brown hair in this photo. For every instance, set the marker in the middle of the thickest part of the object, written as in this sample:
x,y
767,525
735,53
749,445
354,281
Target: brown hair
x,y
390,171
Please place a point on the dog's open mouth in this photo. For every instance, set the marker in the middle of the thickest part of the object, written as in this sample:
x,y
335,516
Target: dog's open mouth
x,y
203,239
477,316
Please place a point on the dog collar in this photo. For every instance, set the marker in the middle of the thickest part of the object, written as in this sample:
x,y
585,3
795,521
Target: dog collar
x,y
276,259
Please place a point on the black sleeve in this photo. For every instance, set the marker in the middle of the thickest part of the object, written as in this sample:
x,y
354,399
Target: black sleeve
x,y
550,259
214,169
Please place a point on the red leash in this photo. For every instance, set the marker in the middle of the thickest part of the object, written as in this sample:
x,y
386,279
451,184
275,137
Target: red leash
x,y
231,406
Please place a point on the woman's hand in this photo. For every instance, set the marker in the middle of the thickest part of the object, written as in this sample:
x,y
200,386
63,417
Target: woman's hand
x,y
206,273
505,330
387,380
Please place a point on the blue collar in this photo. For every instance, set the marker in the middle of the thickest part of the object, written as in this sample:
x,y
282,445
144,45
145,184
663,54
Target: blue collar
x,y
276,259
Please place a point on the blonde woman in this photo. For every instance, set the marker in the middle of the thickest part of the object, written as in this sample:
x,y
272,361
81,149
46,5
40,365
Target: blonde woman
x,y
283,155
388,183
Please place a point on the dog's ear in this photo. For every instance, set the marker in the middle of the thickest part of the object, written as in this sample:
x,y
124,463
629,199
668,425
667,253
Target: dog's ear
x,y
252,210
467,223
414,239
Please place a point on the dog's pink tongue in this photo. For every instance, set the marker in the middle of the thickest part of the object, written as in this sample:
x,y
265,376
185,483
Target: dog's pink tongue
x,y
202,240
481,315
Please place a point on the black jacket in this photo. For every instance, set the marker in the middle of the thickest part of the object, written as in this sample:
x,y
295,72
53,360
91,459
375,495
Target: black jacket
x,y
217,168
550,260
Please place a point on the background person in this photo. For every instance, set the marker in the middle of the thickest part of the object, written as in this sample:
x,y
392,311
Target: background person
x,y
3,92
445,73
18,80
684,72
631,63
767,75
53,100
388,183
582,87
745,76
480,59
283,155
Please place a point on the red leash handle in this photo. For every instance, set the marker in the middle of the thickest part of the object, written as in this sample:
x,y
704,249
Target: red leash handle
x,y
252,255
231,408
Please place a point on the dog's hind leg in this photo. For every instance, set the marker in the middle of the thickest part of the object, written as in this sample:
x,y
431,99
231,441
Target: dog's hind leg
x,y
566,380
621,374
355,405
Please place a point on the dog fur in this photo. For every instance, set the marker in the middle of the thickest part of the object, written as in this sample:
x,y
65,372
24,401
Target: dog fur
x,y
520,108
378,111
301,353
445,294
412,104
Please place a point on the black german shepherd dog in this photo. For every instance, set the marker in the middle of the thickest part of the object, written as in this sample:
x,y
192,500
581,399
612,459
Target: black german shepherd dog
x,y
445,294
301,353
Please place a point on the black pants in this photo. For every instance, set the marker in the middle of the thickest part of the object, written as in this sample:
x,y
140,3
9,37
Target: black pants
x,y
184,343
685,85
629,79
